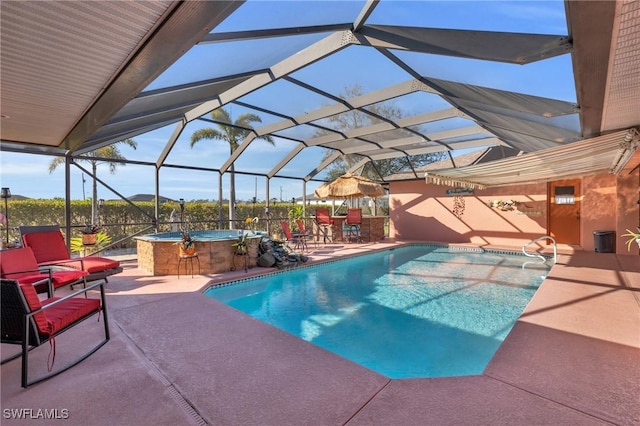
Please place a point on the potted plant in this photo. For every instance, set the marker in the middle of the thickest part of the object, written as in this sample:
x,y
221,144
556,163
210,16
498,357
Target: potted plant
x,y
77,245
296,212
633,236
187,244
89,234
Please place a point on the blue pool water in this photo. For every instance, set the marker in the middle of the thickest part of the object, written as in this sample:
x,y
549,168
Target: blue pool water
x,y
416,311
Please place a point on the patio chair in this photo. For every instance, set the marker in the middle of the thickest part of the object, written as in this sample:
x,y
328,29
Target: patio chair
x,y
303,232
297,239
49,247
353,222
28,322
20,264
324,222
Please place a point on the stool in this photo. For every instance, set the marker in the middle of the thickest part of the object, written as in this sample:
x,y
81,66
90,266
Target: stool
x,y
353,233
188,258
325,230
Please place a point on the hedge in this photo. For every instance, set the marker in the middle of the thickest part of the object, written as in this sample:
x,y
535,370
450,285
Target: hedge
x,y
121,220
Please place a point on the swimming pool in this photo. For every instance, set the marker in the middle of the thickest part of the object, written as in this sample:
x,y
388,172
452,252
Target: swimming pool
x,y
415,311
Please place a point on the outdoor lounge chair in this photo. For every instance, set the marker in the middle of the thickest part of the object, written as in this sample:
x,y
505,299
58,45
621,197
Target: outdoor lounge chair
x,y
353,223
49,247
20,264
298,240
28,322
324,223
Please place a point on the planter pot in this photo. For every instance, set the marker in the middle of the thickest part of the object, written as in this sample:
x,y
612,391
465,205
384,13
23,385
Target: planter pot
x,y
187,252
89,239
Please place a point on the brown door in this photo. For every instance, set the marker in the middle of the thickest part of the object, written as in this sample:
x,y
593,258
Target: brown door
x,y
564,211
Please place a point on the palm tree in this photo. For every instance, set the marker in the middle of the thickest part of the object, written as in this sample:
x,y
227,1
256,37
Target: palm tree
x,y
110,151
233,135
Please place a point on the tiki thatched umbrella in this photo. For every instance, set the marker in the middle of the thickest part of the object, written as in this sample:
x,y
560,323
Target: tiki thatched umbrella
x,y
349,186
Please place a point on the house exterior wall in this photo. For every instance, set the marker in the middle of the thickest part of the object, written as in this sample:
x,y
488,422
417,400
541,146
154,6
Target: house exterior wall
x,y
424,212
627,209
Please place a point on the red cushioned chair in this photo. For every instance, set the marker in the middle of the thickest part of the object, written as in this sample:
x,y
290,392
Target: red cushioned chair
x,y
354,222
49,247
27,321
20,264
297,239
324,222
304,234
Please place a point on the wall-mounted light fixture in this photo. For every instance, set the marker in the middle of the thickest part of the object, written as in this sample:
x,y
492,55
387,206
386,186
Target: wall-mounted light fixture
x,y
5,194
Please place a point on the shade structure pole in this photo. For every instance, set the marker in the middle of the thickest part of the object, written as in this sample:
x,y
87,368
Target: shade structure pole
x,y
266,209
6,216
219,200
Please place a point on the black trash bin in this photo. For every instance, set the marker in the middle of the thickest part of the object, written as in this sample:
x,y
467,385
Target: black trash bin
x,y
604,241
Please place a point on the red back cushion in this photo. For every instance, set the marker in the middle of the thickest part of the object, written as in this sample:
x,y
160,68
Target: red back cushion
x,y
34,304
14,261
354,216
47,246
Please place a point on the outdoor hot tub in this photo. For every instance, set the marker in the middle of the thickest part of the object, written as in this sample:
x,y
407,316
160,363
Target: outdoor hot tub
x,y
158,253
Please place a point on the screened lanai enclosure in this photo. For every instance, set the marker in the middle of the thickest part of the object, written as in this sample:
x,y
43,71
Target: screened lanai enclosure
x,y
283,96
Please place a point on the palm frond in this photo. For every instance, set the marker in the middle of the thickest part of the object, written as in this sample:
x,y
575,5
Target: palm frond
x,y
207,133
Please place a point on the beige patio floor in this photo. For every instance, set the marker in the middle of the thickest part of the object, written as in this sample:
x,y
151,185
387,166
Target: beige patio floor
x,y
177,357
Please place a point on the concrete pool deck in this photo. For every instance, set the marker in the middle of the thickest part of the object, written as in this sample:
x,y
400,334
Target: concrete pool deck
x,y
179,357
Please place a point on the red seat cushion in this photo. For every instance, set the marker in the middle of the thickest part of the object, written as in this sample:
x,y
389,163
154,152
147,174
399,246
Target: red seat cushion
x,y
62,278
98,264
69,311
57,317
29,279
59,278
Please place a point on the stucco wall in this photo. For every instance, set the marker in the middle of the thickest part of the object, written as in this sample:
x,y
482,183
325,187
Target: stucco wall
x,y
598,208
610,203
628,209
420,211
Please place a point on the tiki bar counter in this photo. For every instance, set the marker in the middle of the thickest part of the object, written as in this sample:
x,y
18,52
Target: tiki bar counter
x,y
371,229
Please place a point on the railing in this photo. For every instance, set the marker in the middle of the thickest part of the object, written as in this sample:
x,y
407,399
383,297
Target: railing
x,y
544,259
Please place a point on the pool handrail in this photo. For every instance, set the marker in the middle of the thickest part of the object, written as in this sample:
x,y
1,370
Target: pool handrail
x,y
544,237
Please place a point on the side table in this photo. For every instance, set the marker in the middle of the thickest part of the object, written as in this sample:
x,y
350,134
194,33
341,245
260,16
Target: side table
x,y
245,257
188,259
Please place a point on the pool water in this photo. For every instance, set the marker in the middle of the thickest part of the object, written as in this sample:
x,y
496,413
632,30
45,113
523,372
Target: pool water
x,y
203,235
415,311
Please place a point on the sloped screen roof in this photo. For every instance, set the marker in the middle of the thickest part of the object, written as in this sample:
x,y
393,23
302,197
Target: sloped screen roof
x,y
348,79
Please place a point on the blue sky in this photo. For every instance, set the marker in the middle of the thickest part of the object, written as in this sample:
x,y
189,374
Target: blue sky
x,y
28,174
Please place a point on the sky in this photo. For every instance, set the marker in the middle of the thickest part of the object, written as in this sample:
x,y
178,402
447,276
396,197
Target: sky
x,y
28,175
